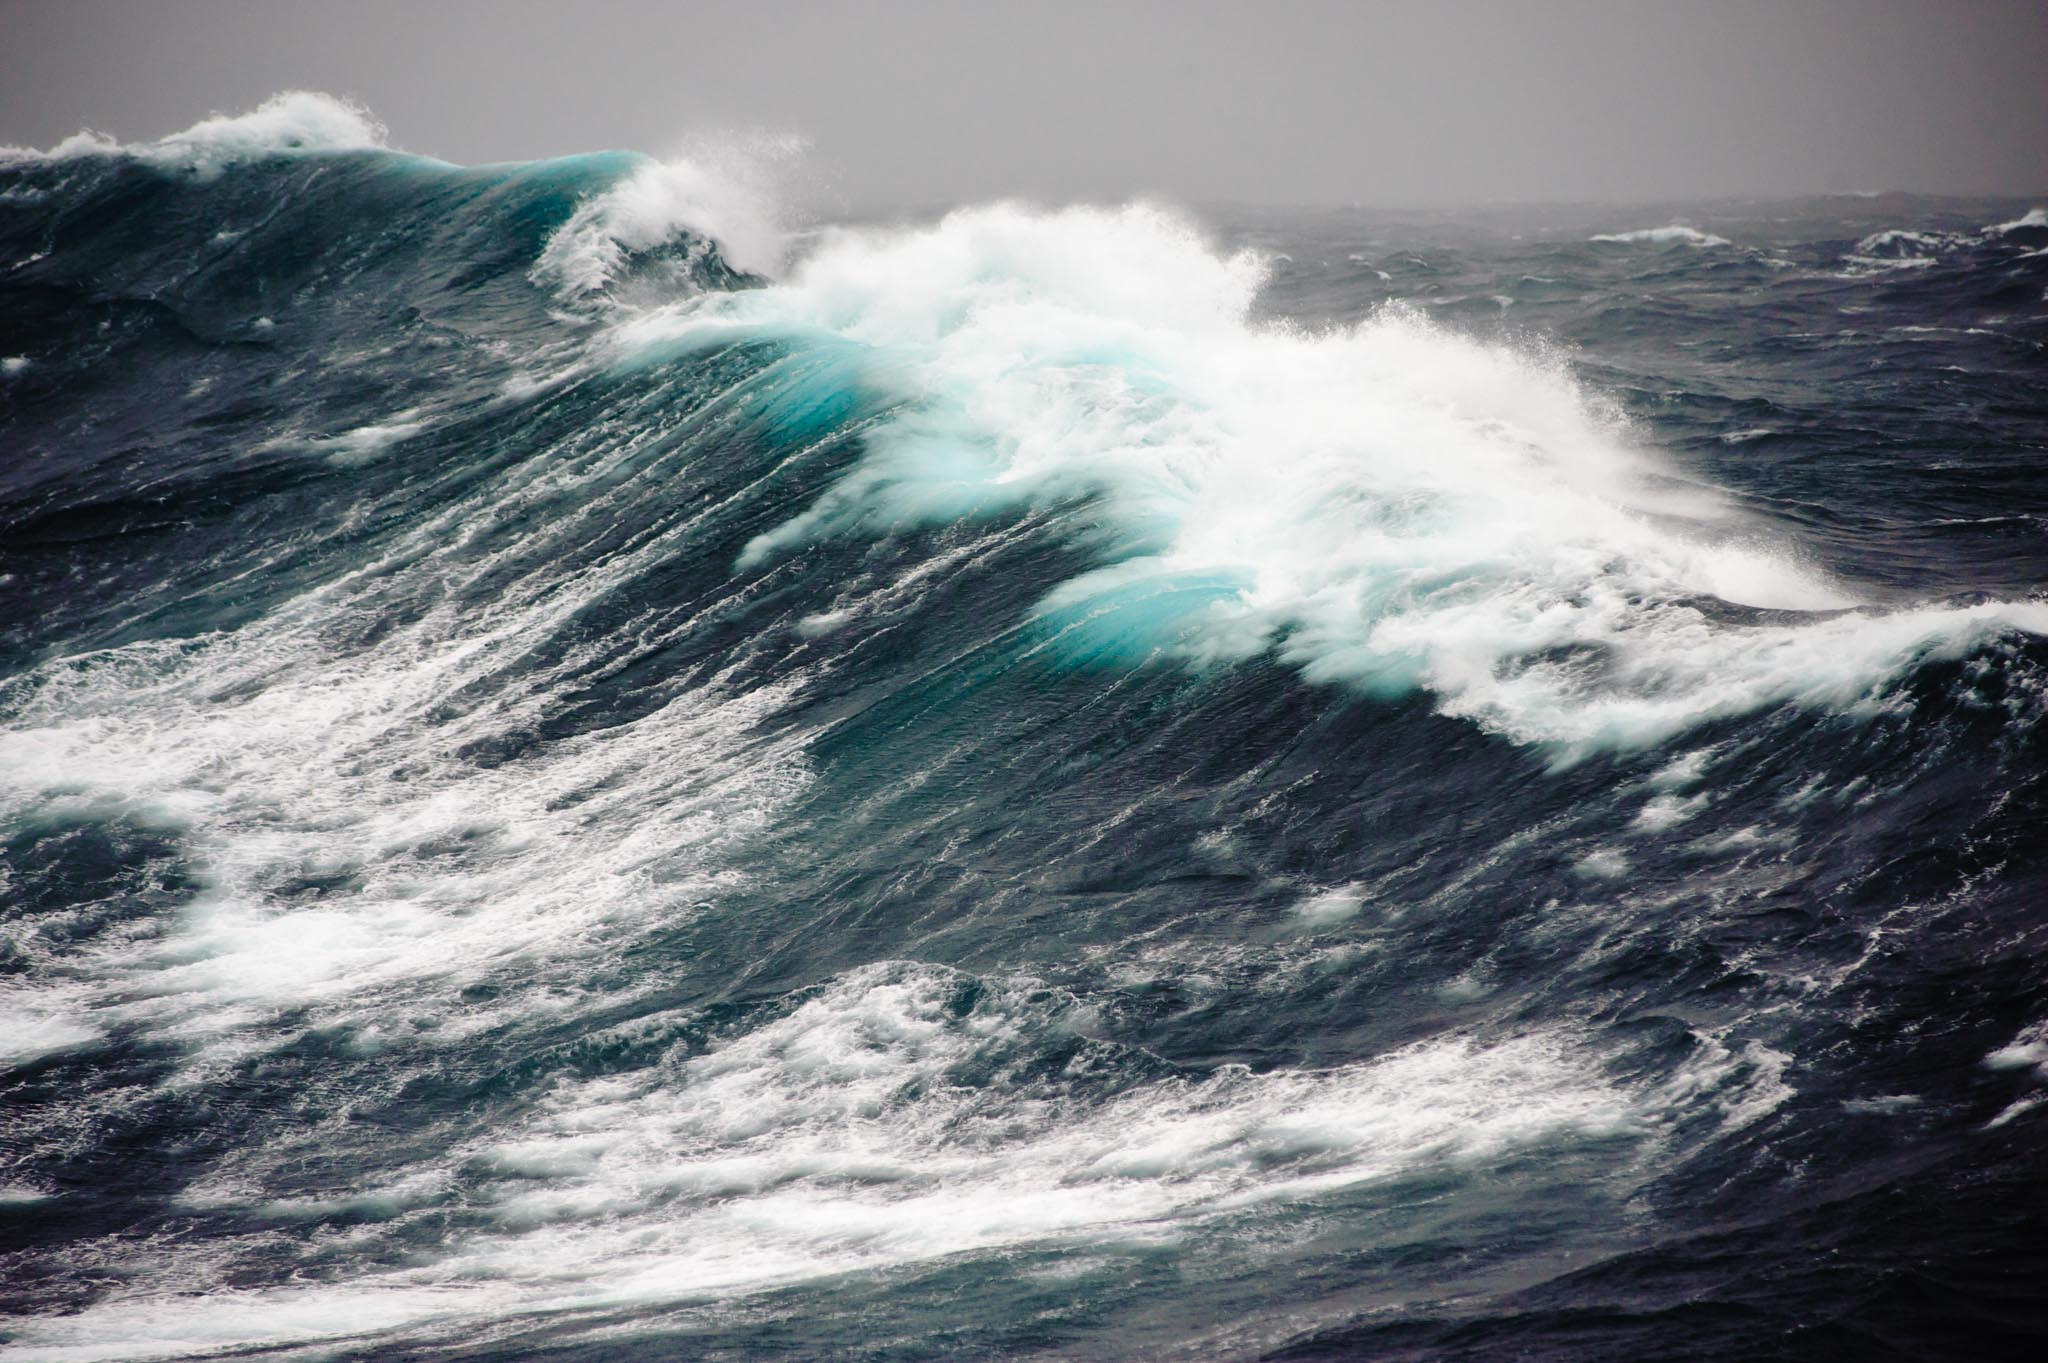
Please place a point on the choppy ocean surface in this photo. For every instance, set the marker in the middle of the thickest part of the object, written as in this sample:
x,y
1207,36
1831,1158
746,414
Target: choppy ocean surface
x,y
587,776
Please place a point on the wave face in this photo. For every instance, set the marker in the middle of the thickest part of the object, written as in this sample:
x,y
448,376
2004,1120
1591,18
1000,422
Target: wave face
x,y
585,777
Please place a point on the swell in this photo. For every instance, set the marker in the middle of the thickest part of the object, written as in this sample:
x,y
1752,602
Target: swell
x,y
645,807
1386,506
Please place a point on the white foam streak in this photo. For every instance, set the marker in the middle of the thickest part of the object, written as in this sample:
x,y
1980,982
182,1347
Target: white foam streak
x,y
2027,1050
850,1097
289,765
36,1023
851,1133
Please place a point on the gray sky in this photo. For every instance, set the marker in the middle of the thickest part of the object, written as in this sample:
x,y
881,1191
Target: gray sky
x,y
1304,101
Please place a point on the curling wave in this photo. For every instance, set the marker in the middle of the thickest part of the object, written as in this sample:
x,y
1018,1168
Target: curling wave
x,y
1384,505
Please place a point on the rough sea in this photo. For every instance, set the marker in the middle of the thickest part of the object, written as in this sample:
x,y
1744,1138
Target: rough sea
x,y
590,773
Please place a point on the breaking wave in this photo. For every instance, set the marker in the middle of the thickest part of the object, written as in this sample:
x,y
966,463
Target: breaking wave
x,y
584,772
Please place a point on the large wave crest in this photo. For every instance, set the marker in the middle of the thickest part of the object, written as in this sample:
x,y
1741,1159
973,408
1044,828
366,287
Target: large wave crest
x,y
1387,504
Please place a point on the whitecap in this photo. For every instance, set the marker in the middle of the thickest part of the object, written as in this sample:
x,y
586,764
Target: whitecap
x,y
1675,234
2032,218
291,122
721,194
1388,505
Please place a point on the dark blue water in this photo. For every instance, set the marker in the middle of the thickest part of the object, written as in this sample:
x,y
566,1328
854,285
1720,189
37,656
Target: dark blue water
x,y
583,777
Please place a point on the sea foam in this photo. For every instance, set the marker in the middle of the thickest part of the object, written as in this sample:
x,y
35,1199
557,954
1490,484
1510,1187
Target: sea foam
x,y
720,193
292,122
2033,218
844,1136
1676,234
1386,505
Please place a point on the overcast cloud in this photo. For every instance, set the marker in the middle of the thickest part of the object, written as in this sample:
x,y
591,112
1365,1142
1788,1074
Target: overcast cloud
x,y
1390,103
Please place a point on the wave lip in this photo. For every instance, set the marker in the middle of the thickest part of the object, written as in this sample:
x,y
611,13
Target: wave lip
x,y
291,122
717,205
2034,219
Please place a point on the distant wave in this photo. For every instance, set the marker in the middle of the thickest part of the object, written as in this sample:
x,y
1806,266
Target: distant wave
x,y
1676,234
1899,242
293,121
1901,248
2032,218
